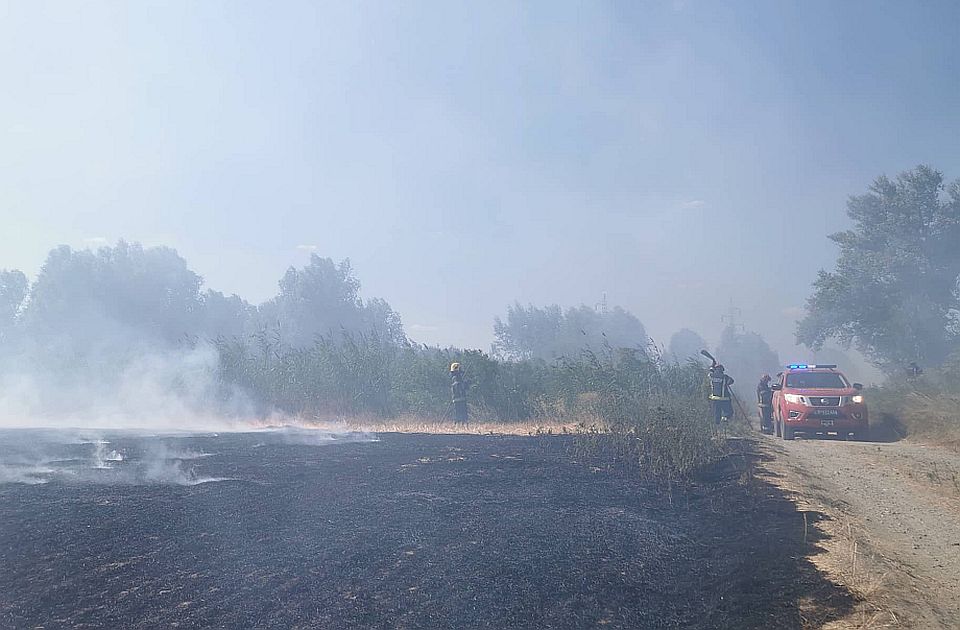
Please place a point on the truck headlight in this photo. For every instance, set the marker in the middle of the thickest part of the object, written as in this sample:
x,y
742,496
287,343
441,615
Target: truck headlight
x,y
857,399
793,398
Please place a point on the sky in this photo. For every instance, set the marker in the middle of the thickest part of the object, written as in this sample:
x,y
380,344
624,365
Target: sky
x,y
678,157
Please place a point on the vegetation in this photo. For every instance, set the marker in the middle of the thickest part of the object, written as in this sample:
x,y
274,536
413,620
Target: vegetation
x,y
85,297
746,356
634,408
97,322
894,292
653,413
926,407
366,374
549,333
895,296
686,344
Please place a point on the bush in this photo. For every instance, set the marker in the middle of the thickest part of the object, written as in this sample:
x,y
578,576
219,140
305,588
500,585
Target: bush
x,y
631,407
643,412
927,407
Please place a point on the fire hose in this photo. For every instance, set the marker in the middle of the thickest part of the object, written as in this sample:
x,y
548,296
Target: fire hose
x,y
732,394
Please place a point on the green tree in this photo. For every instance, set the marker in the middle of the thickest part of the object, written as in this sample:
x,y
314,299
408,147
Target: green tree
x,y
528,332
894,292
323,299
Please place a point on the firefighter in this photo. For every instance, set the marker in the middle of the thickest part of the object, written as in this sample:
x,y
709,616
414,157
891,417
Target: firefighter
x,y
458,388
720,395
765,404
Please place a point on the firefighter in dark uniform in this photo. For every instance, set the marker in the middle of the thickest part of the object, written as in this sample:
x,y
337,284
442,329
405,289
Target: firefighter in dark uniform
x,y
765,404
720,395
458,388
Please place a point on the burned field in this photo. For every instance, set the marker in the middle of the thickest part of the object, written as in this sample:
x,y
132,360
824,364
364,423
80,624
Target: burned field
x,y
407,531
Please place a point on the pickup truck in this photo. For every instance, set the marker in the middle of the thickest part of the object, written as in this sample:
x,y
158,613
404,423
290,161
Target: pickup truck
x,y
818,399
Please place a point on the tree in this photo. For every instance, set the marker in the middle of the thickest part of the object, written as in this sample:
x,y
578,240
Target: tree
x,y
622,329
746,356
686,344
548,333
227,317
83,298
379,316
894,292
323,299
13,291
528,332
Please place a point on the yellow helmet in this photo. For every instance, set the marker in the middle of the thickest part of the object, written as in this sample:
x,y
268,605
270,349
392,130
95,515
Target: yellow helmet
x,y
454,367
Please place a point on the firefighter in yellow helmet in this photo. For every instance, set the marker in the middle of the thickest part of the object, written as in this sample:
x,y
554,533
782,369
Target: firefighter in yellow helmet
x,y
458,388
720,394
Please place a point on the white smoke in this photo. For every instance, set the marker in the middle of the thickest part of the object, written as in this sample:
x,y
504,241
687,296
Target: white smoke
x,y
162,465
120,458
104,458
115,408
29,473
161,389
57,455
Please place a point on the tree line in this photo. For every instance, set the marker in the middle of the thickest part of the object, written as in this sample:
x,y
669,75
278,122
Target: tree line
x,y
318,347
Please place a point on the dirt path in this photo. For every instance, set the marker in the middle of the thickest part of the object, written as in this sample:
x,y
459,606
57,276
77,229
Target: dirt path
x,y
891,515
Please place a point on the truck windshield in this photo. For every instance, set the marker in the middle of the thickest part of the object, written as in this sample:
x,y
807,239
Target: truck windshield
x,y
816,380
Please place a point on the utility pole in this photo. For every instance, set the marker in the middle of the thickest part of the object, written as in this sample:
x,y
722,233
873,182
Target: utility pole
x,y
601,307
732,317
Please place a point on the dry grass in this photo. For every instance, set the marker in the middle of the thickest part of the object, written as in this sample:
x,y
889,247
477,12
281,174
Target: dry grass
x,y
927,411
439,426
854,563
933,417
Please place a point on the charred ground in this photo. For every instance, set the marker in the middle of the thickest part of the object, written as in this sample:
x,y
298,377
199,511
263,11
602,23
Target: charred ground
x,y
409,531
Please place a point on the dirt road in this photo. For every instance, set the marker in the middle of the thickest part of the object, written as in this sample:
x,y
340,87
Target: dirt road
x,y
891,517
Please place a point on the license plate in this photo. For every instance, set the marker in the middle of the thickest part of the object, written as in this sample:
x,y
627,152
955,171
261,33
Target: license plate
x,y
827,423
830,413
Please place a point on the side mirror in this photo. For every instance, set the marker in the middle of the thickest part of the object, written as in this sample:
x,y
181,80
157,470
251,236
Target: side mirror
x,y
776,387
858,386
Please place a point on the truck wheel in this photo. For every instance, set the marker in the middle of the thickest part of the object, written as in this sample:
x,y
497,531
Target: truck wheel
x,y
787,432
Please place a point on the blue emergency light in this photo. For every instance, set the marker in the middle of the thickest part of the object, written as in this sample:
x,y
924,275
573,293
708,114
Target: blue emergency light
x,y
810,366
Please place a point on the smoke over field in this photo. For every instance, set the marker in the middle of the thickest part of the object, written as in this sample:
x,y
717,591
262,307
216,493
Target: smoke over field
x,y
157,389
132,457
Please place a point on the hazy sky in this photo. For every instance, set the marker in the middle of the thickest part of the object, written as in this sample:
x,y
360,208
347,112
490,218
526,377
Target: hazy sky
x,y
674,155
